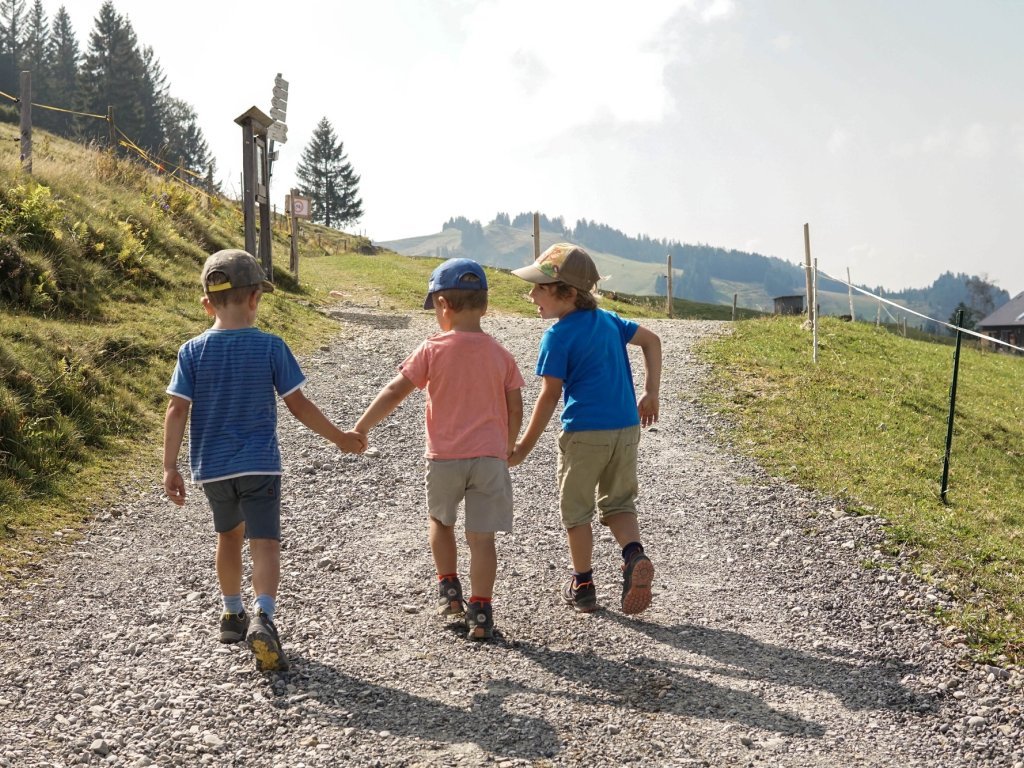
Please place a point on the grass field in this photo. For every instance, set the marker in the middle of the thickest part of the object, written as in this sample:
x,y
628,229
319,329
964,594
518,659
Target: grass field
x,y
868,424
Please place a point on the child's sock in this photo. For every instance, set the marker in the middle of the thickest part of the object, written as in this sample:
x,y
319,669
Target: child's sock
x,y
233,603
449,576
582,578
266,603
478,599
631,549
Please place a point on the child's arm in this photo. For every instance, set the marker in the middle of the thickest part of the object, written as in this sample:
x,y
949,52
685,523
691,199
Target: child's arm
x,y
514,404
306,412
650,344
389,398
174,431
547,401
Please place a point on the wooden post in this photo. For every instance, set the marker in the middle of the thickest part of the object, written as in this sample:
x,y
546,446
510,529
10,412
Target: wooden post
x,y
807,272
26,121
814,315
734,306
668,287
849,290
112,134
536,236
294,222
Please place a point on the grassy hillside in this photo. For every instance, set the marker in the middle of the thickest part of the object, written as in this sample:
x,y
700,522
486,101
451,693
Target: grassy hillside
x,y
868,424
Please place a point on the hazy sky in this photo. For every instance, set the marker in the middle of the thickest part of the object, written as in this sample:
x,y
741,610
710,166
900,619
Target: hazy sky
x,y
894,128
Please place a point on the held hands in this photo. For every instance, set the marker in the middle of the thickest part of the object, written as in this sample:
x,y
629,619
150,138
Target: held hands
x,y
648,407
174,486
515,458
352,442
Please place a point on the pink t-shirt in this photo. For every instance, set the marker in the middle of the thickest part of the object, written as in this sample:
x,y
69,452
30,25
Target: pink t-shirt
x,y
466,376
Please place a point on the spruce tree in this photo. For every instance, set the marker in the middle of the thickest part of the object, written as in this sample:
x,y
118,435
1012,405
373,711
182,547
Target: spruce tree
x,y
64,58
36,59
113,74
12,43
328,180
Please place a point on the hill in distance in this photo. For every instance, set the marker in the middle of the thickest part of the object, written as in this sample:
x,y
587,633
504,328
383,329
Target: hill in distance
x,y
638,266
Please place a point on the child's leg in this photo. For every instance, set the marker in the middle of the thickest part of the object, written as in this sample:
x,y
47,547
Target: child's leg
x,y
443,547
229,560
624,528
266,566
581,547
483,563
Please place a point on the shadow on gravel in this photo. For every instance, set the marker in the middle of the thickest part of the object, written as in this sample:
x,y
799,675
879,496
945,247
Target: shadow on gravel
x,y
353,703
390,322
650,685
869,685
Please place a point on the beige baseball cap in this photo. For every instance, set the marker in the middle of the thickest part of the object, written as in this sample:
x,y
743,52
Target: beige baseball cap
x,y
239,267
562,263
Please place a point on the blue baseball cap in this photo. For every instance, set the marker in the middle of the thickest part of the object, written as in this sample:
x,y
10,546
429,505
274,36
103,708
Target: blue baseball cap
x,y
463,274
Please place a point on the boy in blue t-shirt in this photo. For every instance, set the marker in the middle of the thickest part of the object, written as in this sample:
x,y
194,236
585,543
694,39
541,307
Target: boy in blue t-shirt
x,y
583,355
227,377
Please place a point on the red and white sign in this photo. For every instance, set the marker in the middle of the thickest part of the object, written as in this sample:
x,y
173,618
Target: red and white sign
x,y
300,207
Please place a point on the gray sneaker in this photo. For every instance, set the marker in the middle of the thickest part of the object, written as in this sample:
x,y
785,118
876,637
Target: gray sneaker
x,y
233,626
582,597
479,621
449,598
637,576
265,645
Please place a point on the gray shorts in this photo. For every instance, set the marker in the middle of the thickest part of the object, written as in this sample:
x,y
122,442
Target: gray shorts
x,y
483,482
597,468
251,499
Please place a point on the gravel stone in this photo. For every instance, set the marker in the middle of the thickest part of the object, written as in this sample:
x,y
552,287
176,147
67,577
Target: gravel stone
x,y
769,641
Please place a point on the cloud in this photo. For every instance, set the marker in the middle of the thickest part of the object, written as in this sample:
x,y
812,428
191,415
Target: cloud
x,y
717,10
977,141
782,42
838,141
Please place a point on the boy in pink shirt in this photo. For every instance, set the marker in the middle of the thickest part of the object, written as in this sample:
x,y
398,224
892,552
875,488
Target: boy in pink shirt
x,y
474,412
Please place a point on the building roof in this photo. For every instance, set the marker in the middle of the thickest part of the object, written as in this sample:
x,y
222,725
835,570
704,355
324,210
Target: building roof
x,y
1011,313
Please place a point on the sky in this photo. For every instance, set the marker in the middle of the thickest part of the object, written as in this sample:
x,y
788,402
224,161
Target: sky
x,y
895,130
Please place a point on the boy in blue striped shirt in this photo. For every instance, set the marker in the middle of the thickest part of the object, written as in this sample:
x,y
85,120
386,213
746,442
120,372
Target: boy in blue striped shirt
x,y
227,377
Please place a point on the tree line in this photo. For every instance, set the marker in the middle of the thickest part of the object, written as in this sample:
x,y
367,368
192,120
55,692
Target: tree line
x,y
114,70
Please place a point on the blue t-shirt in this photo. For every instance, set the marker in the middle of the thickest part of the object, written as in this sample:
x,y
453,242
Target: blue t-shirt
x,y
586,349
230,377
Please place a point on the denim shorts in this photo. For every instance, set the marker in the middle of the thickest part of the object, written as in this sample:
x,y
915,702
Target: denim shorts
x,y
597,468
483,482
251,499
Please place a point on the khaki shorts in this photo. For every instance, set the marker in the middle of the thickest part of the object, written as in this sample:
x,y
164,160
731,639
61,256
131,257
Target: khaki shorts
x,y
483,482
597,468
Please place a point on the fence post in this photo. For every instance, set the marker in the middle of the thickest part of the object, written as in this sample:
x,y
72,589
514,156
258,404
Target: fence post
x,y
668,287
807,272
111,132
952,407
734,306
26,121
849,290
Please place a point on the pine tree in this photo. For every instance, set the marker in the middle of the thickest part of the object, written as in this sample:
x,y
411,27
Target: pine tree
x,y
12,43
36,59
64,57
113,74
186,146
328,180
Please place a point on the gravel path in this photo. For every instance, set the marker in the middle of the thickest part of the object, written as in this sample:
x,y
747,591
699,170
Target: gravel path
x,y
770,642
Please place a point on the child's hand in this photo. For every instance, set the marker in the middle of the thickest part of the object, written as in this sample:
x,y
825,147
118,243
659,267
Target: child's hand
x,y
353,442
648,407
174,486
516,457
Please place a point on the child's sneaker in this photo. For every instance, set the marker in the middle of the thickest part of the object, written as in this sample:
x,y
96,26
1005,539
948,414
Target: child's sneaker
x,y
266,645
479,621
233,626
637,576
449,598
582,597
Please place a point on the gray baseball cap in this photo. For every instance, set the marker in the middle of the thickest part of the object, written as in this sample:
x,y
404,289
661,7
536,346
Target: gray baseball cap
x,y
239,267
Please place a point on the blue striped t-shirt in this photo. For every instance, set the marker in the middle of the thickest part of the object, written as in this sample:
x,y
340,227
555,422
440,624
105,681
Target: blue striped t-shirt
x,y
230,377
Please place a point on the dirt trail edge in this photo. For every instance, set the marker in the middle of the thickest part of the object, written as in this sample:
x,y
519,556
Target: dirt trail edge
x,y
780,633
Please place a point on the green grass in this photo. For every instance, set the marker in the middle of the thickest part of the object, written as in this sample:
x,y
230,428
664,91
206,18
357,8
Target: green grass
x,y
868,424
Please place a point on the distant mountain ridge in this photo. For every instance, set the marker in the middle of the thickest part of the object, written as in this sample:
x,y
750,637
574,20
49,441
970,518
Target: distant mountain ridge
x,y
638,266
